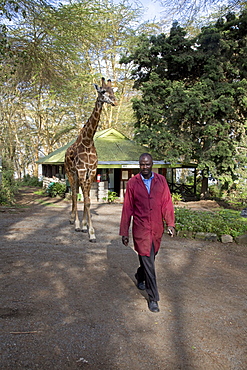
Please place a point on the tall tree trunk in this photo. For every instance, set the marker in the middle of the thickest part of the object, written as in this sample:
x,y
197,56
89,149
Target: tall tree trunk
x,y
204,188
1,163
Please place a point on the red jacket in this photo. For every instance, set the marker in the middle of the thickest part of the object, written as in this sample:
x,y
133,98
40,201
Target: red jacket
x,y
149,212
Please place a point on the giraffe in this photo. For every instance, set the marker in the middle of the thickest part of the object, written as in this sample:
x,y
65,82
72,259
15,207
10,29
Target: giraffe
x,y
81,160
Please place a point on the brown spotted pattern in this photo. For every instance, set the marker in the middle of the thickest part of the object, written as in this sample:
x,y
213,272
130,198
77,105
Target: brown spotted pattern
x,y
81,160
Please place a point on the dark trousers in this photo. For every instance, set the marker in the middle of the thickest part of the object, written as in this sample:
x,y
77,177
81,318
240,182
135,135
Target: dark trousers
x,y
146,272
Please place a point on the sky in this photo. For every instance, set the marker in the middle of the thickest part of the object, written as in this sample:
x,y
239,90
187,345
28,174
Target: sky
x,y
152,10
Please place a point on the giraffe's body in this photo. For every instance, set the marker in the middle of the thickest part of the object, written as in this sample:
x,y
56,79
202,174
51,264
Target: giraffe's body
x,y
81,160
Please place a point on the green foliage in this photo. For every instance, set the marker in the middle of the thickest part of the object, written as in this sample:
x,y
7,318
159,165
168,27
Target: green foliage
x,y
56,189
41,192
215,191
8,187
235,195
218,222
112,196
176,198
31,181
48,68
194,93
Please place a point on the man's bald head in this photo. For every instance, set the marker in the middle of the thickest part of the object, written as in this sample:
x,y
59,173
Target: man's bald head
x,y
146,164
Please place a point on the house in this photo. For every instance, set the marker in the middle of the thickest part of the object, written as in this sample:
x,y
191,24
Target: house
x,y
118,160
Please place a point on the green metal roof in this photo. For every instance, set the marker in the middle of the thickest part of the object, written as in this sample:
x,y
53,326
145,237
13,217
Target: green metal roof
x,y
114,150
111,146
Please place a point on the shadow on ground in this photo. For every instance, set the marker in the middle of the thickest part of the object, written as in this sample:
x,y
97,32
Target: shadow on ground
x,y
67,303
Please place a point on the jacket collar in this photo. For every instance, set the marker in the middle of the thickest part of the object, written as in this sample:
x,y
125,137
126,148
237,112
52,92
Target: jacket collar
x,y
139,174
139,178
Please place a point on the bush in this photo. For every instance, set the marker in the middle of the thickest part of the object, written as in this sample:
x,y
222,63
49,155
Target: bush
x,y
8,187
112,196
176,198
31,181
235,196
56,189
220,222
214,191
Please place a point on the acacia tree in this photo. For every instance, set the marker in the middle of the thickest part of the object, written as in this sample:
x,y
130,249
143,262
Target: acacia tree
x,y
117,31
194,96
55,54
32,66
45,77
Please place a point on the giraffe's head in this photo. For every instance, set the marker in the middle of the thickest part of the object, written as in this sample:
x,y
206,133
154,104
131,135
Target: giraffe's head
x,y
106,93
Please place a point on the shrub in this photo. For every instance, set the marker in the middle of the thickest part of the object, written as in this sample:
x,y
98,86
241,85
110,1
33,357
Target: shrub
x,y
31,181
220,222
112,196
214,191
8,187
235,195
176,198
56,189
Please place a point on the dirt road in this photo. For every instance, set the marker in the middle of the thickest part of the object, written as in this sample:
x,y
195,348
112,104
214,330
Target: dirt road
x,y
67,303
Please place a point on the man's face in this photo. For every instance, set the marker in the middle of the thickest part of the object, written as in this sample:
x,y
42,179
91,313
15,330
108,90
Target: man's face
x,y
146,167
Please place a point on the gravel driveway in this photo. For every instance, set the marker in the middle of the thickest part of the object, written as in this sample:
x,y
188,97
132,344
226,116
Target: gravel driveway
x,y
67,303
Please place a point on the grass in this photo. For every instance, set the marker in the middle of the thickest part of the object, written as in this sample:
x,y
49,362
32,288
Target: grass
x,y
219,222
40,192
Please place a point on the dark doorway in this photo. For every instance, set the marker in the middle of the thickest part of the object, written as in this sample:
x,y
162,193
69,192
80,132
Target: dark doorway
x,y
117,179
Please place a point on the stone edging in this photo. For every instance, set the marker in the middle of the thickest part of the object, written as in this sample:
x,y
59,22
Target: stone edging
x,y
241,239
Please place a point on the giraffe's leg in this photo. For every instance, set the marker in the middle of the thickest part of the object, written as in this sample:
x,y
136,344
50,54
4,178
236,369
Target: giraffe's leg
x,y
84,219
74,213
82,184
74,219
72,187
87,216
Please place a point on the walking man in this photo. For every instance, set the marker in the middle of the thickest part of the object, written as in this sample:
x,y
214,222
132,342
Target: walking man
x,y
148,201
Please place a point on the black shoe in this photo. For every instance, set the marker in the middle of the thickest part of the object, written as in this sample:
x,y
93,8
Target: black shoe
x,y
153,306
140,284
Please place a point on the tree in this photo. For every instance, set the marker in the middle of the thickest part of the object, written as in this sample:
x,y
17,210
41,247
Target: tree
x,y
52,56
194,97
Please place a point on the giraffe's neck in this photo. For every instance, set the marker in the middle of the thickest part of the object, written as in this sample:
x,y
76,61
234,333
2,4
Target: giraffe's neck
x,y
88,131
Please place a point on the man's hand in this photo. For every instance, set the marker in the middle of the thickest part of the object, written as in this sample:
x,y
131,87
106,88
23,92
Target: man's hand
x,y
171,231
125,240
